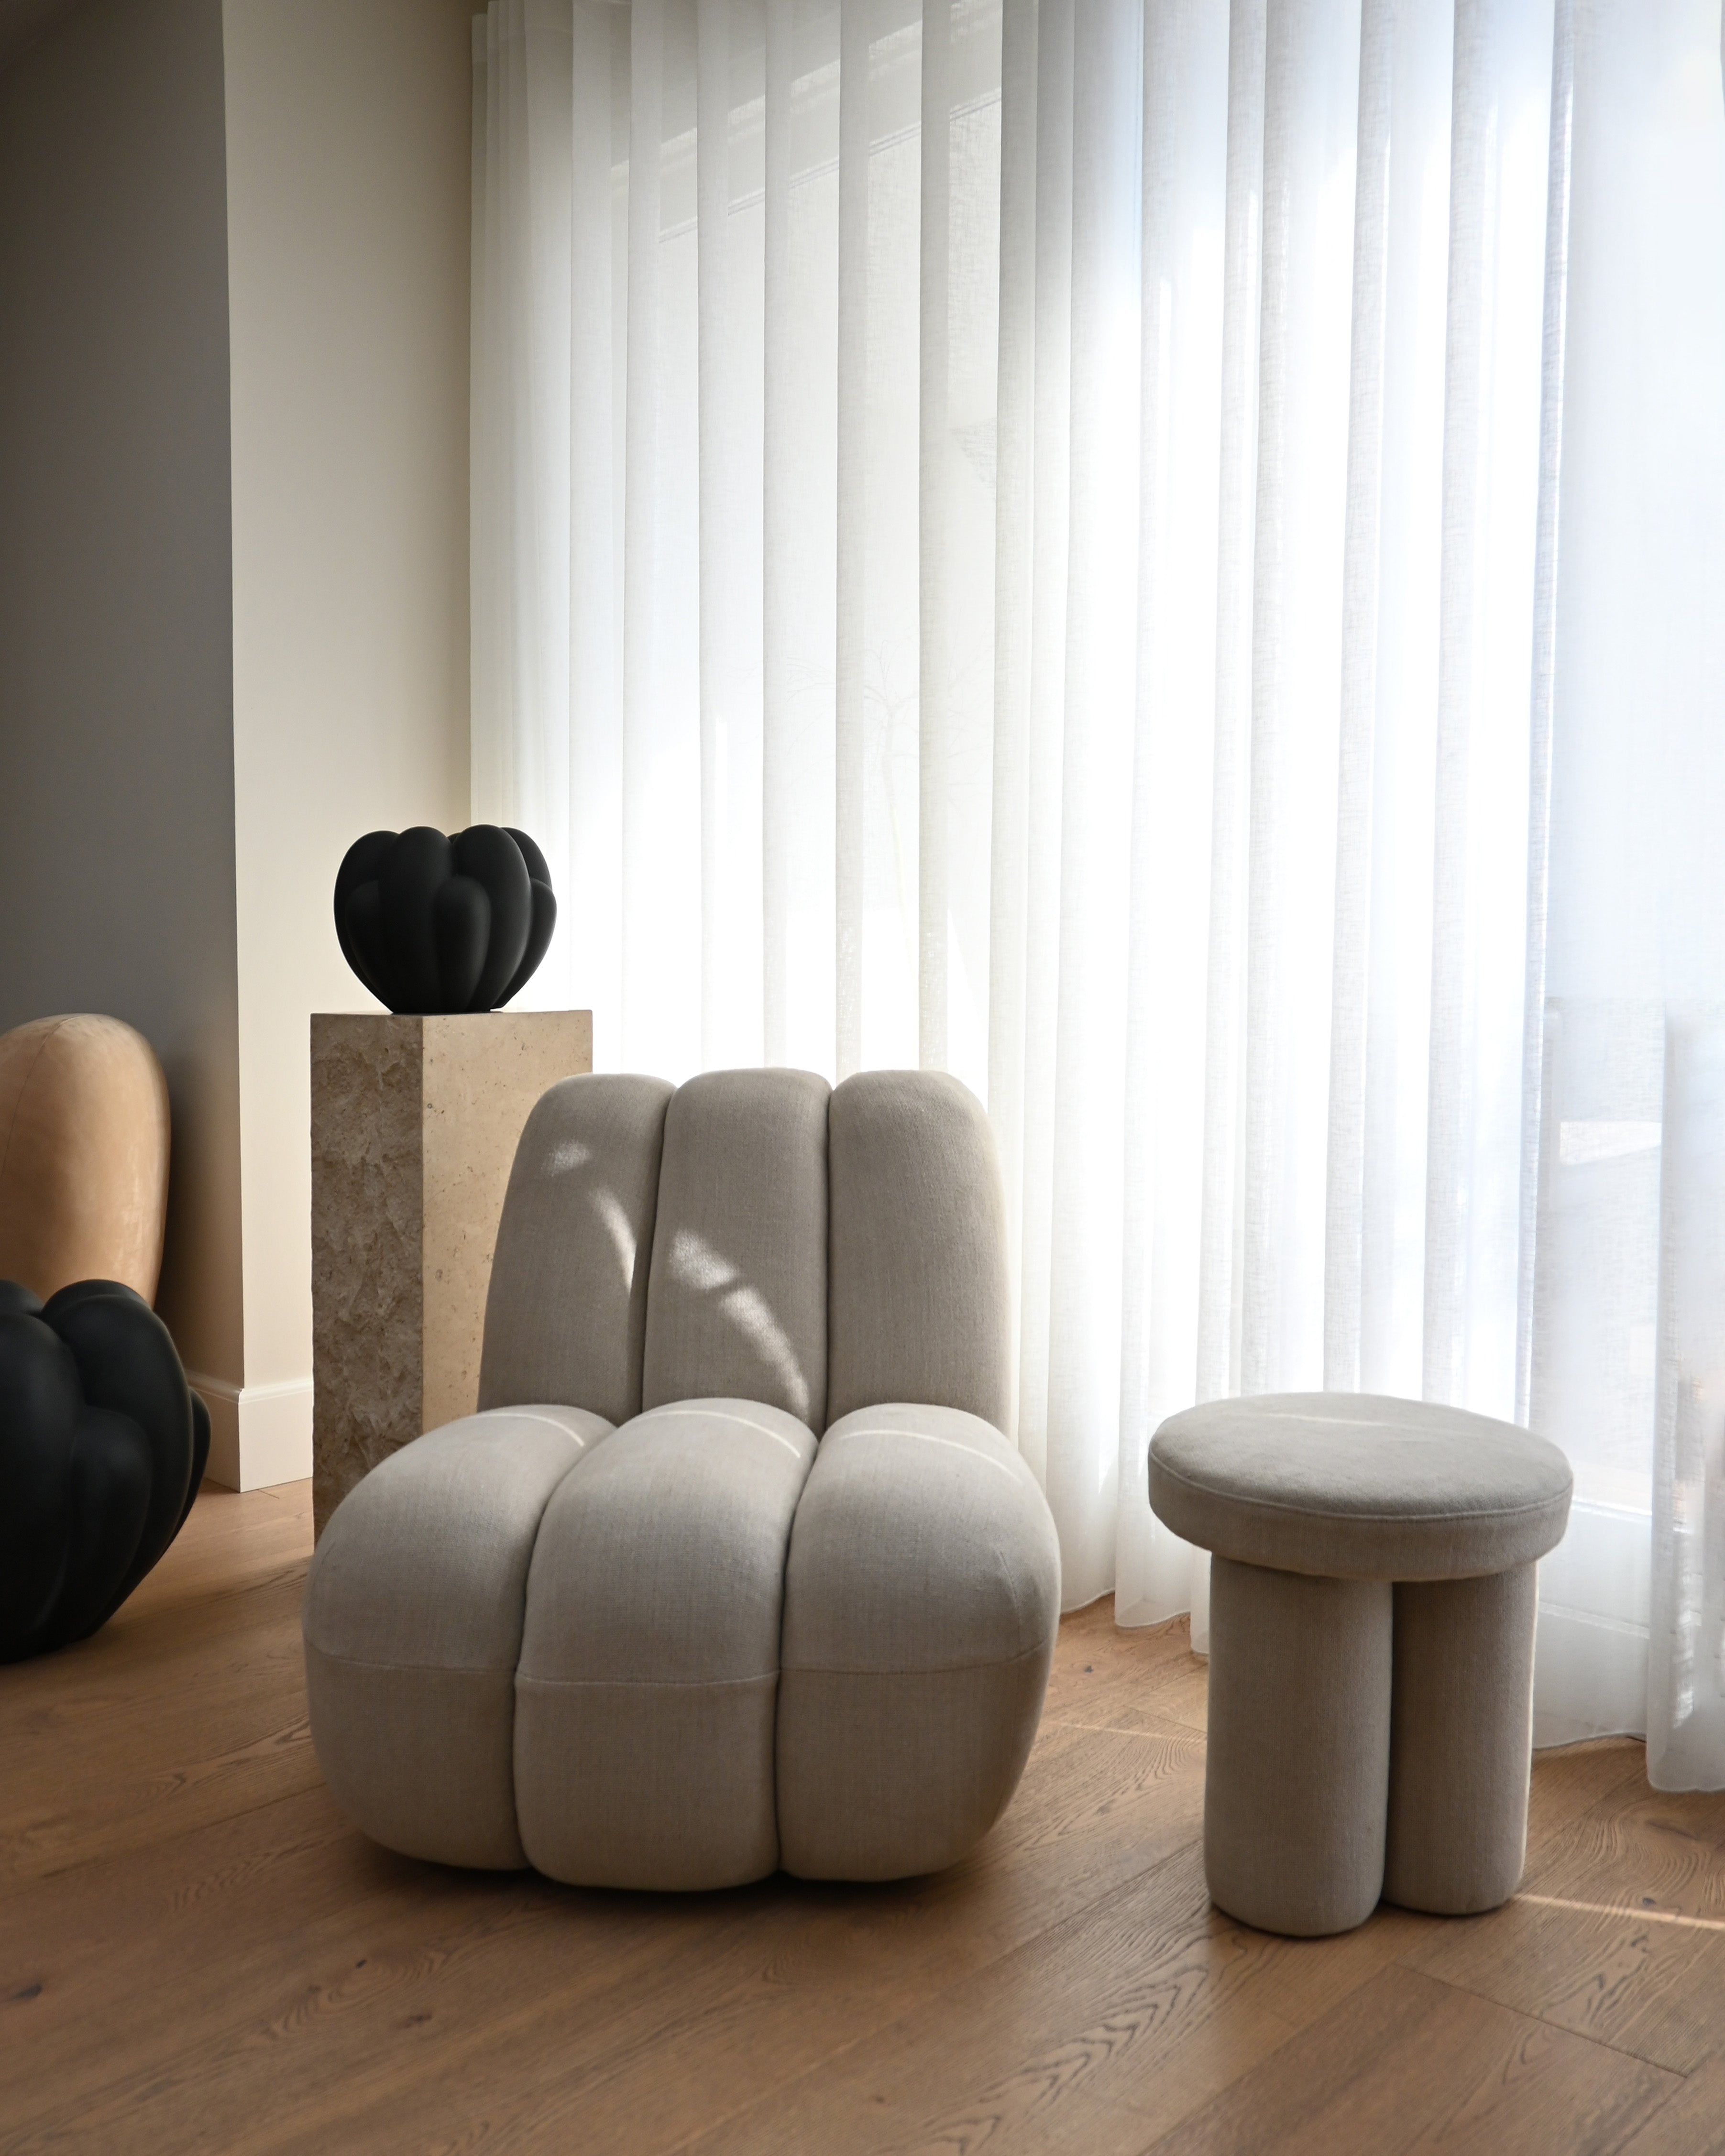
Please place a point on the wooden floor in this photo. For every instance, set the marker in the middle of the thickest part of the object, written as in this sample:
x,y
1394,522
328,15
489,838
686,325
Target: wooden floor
x,y
197,1953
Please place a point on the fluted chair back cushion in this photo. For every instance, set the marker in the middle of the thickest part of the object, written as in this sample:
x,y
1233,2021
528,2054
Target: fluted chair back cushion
x,y
918,1300
737,1304
566,1316
752,1236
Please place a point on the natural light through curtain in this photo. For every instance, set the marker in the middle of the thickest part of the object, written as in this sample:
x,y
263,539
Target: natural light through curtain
x,y
1164,557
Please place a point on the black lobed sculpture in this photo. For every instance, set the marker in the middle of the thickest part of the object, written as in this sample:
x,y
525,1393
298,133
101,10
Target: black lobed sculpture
x,y
433,924
102,1447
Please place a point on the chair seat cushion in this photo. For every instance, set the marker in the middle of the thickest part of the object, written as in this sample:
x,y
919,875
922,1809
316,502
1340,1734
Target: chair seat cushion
x,y
922,1596
1354,1485
413,1624
649,1675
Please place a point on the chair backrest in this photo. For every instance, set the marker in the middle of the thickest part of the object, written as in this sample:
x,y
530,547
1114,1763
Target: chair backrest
x,y
919,1305
753,1235
736,1306
566,1314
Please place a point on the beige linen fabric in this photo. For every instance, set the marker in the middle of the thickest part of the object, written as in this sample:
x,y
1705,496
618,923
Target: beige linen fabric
x,y
1354,1485
889,1777
1297,1767
419,1758
566,1311
737,1304
1462,1742
919,1278
649,1672
510,1662
413,1627
922,1597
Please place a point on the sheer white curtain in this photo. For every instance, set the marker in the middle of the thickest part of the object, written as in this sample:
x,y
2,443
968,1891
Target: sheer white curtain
x,y
1164,557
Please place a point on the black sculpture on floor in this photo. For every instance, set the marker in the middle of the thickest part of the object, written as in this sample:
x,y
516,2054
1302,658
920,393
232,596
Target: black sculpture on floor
x,y
432,924
102,1447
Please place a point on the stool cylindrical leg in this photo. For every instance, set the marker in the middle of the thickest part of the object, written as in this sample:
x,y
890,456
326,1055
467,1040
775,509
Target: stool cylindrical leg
x,y
1461,1742
1298,1765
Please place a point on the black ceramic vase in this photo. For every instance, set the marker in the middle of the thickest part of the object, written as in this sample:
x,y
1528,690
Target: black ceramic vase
x,y
102,1447
432,924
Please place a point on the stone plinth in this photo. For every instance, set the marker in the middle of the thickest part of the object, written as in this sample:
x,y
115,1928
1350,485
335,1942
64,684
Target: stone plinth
x,y
413,1127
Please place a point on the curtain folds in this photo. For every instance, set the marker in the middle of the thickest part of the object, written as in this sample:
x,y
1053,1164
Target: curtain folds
x,y
1162,556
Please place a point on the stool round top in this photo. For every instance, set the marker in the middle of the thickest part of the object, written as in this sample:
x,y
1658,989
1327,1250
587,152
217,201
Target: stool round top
x,y
1354,1485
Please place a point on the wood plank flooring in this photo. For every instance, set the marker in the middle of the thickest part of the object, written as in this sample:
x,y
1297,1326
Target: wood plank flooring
x,y
198,1953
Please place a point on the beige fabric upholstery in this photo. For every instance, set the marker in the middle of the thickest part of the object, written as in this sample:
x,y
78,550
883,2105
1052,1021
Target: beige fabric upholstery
x,y
1461,1742
1298,1770
890,1776
922,1596
566,1314
1353,1485
648,1669
413,1624
919,1282
700,1649
1313,1504
84,1147
738,1300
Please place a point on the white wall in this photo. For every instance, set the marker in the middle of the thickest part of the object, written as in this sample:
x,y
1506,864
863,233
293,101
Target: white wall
x,y
347,171
233,275
116,765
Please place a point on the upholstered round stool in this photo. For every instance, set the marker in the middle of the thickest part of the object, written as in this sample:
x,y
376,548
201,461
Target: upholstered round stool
x,y
1371,1612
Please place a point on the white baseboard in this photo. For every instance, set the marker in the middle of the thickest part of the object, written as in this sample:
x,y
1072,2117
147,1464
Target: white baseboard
x,y
258,1434
223,1401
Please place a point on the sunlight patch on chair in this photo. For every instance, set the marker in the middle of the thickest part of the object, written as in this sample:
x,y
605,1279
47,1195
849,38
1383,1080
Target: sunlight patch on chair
x,y
723,1414
609,1208
928,1437
696,1263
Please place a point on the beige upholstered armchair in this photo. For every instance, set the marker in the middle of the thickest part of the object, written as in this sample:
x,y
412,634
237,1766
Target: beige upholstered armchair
x,y
735,1569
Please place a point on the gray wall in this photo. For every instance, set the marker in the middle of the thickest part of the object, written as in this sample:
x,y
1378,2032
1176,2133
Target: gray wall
x,y
116,744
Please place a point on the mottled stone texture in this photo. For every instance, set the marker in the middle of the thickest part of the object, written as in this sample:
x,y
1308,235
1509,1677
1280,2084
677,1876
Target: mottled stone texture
x,y
413,1127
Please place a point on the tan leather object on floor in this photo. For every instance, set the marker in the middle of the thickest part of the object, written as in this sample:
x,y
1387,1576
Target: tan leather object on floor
x,y
83,1148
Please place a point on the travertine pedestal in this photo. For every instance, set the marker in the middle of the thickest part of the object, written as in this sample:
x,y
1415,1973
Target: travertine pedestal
x,y
413,1127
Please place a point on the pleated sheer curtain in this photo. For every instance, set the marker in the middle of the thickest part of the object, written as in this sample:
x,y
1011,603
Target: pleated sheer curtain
x,y
1166,558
